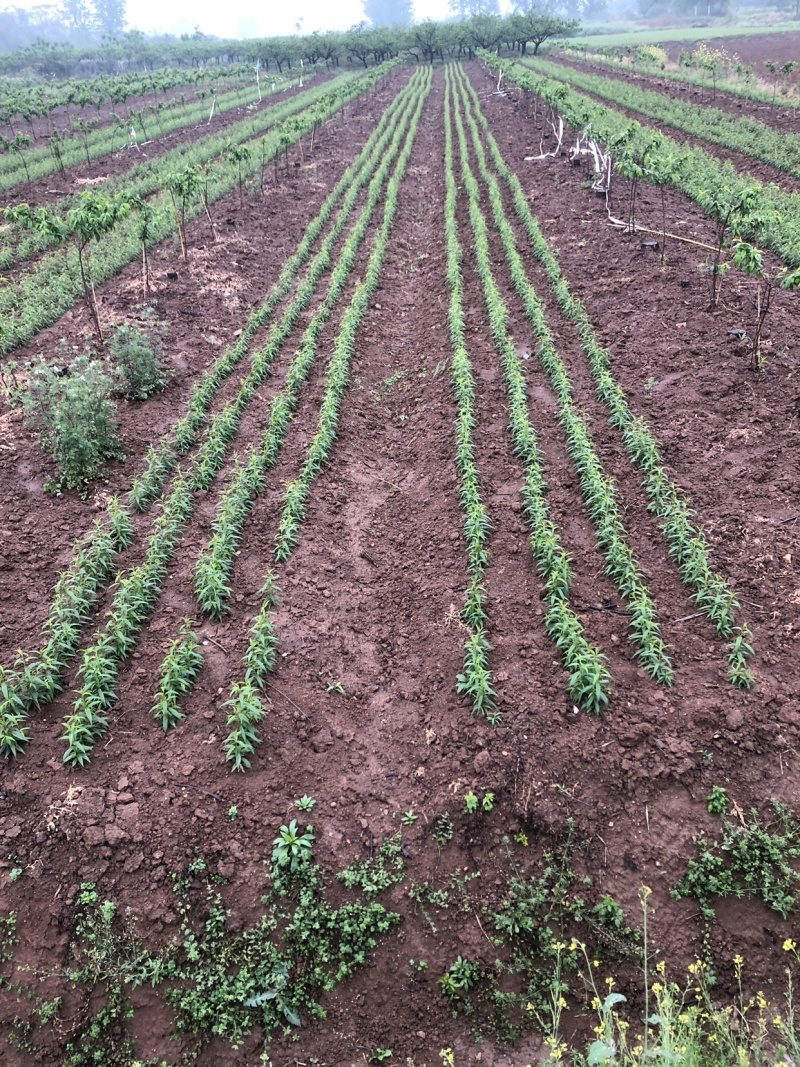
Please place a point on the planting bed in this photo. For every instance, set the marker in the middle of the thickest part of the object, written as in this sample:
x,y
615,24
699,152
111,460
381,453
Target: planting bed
x,y
362,711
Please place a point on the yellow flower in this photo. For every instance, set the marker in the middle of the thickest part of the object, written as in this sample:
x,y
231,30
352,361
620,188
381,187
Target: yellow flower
x,y
789,945
595,963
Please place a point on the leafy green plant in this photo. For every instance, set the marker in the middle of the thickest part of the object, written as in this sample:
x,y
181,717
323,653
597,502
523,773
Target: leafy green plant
x,y
717,800
292,848
378,1055
135,358
442,830
76,420
749,859
178,671
408,818
380,871
224,983
305,803
460,977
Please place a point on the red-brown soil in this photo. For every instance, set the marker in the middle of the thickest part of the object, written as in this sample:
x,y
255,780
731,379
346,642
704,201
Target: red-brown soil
x,y
53,187
751,48
756,168
370,597
61,118
781,117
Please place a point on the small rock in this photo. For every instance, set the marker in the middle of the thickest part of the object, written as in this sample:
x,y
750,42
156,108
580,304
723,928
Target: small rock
x,y
115,835
734,719
94,836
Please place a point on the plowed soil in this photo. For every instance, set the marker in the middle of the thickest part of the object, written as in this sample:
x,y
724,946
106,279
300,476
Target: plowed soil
x,y
783,118
52,188
363,713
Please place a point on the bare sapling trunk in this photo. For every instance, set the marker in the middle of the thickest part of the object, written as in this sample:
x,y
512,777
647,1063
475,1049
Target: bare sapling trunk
x,y
89,293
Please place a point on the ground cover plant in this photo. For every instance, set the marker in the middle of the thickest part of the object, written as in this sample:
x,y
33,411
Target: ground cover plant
x,y
411,674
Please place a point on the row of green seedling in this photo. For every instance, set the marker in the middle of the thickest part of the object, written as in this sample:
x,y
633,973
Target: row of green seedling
x,y
598,491
25,100
59,151
687,542
160,461
178,673
475,681
685,76
296,492
36,677
40,296
88,721
742,134
147,176
246,708
215,565
134,598
589,680
771,216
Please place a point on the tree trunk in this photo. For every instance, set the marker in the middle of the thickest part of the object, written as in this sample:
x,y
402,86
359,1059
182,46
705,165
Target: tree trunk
x,y
89,294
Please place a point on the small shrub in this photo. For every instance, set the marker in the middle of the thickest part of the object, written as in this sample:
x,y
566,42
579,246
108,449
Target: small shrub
x,y
136,361
76,418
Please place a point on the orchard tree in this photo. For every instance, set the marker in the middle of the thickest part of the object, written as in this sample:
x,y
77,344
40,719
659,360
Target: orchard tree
x,y
531,24
94,216
425,40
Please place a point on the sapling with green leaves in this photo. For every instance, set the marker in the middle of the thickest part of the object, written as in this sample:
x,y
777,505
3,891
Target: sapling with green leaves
x,y
238,154
749,259
728,208
92,219
20,141
146,233
183,187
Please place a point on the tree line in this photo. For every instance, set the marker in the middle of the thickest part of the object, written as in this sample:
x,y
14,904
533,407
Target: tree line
x,y
362,45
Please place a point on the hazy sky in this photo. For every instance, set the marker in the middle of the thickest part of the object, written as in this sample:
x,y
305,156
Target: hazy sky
x,y
248,18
